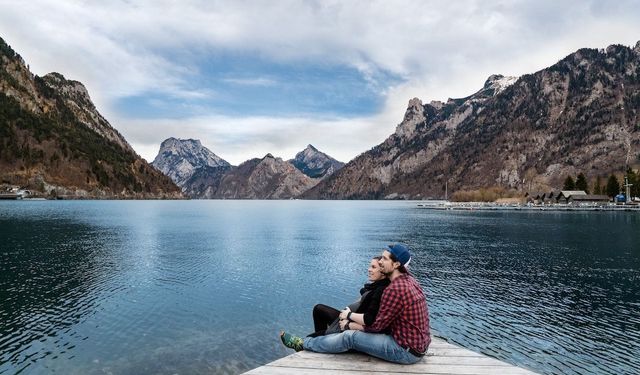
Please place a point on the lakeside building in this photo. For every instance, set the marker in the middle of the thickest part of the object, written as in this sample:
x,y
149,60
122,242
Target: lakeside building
x,y
591,199
549,197
541,197
565,195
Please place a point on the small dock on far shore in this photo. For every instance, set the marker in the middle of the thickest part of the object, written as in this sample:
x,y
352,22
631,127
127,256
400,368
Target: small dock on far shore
x,y
442,358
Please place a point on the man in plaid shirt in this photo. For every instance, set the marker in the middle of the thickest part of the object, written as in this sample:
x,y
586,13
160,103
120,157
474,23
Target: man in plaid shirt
x,y
403,312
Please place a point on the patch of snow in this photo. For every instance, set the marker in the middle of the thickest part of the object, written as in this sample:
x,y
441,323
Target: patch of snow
x,y
501,84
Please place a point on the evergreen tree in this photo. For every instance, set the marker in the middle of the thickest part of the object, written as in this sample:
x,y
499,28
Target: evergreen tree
x,y
569,184
597,188
581,183
613,186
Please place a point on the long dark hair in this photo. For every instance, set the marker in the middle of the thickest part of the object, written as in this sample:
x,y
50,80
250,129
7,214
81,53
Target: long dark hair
x,y
402,268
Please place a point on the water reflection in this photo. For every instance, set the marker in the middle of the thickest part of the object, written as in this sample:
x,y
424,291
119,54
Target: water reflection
x,y
554,289
48,272
204,286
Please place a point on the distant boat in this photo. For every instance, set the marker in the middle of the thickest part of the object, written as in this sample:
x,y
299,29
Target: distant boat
x,y
435,205
10,196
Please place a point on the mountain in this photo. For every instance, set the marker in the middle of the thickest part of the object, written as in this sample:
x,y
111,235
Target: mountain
x,y
54,141
180,159
202,174
266,178
579,115
314,163
205,181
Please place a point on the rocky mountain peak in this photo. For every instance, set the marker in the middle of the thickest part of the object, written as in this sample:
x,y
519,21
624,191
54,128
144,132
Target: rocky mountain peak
x,y
191,149
180,158
183,147
614,49
413,116
414,110
308,153
268,156
636,49
6,50
498,83
72,91
314,163
77,99
18,82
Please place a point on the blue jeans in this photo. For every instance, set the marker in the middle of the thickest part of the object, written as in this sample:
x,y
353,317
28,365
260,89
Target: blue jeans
x,y
375,344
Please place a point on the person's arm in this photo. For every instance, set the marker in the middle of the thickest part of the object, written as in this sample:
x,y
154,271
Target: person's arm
x,y
350,325
390,308
347,314
372,305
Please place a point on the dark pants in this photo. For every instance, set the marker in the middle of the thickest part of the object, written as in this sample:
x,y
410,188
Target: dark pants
x,y
323,315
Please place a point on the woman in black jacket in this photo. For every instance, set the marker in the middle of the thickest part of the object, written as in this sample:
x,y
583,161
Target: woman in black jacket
x,y
326,318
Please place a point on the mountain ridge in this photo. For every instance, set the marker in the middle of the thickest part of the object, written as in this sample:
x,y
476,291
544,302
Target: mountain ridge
x,y
56,143
266,178
571,110
516,133
201,174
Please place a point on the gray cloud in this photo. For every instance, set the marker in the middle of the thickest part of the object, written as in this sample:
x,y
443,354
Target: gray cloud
x,y
440,48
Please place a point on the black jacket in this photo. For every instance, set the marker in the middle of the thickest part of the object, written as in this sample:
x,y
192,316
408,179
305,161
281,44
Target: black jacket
x,y
370,303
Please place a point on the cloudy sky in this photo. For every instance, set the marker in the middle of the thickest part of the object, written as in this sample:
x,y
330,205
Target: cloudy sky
x,y
252,77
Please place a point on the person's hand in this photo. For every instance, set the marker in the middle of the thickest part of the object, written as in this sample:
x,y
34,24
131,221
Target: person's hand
x,y
343,324
344,313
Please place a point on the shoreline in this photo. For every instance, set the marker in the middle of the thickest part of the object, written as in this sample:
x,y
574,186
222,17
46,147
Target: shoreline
x,y
472,206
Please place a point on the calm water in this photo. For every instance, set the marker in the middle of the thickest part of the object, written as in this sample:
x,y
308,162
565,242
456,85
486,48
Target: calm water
x,y
201,287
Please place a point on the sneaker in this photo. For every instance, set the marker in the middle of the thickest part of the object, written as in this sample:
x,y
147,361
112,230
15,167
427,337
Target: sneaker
x,y
291,341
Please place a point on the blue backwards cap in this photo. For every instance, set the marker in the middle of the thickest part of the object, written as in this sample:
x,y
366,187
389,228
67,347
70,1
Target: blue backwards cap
x,y
401,253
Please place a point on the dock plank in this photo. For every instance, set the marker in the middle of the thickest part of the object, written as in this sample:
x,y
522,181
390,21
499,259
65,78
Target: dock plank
x,y
442,358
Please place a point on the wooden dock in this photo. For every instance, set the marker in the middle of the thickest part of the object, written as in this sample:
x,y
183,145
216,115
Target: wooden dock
x,y
442,358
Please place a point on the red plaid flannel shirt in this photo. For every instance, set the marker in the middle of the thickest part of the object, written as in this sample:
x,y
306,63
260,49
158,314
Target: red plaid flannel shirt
x,y
403,308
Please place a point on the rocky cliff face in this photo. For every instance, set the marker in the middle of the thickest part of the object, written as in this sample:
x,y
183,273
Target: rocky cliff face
x,y
180,159
314,163
266,178
56,142
579,115
76,99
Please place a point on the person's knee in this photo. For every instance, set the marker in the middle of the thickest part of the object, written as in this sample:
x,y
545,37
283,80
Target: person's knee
x,y
348,337
320,307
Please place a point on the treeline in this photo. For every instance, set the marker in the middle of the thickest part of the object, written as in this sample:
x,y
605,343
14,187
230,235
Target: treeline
x,y
612,188
491,194
28,140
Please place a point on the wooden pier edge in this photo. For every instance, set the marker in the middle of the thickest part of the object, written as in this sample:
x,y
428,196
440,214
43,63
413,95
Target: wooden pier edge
x,y
442,358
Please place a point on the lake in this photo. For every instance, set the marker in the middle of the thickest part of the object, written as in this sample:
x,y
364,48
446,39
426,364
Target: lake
x,y
202,287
